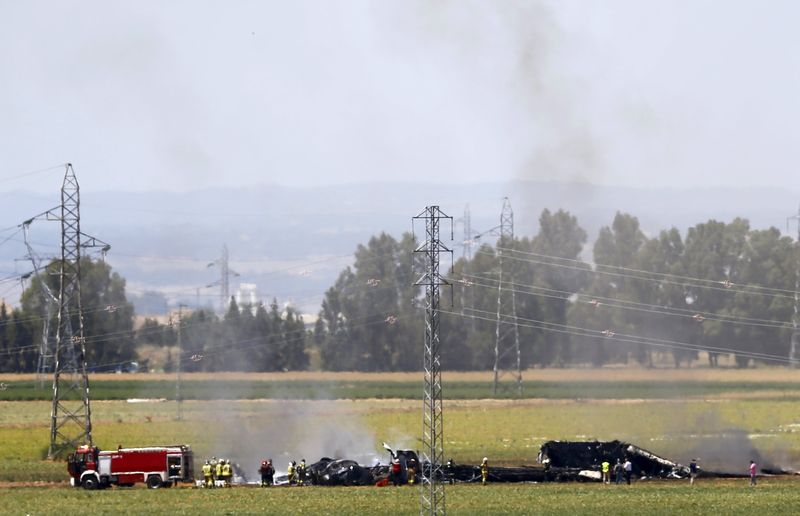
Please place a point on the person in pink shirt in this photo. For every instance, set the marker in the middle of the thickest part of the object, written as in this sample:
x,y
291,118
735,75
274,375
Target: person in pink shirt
x,y
753,469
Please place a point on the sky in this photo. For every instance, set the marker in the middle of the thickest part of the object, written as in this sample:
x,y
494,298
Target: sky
x,y
184,95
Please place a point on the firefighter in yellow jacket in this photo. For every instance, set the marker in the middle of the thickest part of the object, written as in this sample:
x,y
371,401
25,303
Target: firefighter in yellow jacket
x,y
218,470
227,473
207,480
290,473
484,470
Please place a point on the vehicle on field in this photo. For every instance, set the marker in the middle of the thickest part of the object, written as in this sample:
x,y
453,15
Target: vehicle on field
x,y
156,466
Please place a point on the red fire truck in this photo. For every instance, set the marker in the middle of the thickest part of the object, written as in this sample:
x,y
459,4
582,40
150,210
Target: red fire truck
x,y
157,466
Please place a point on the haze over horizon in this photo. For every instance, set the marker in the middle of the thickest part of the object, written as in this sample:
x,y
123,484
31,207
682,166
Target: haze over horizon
x,y
146,95
603,103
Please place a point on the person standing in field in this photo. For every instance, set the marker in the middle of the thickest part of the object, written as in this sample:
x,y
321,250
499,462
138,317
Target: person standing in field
x,y
213,463
267,473
628,467
218,476
484,470
753,471
395,471
227,473
301,473
692,471
618,472
605,467
207,478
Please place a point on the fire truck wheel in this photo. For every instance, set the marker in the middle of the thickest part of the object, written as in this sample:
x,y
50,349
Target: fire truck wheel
x,y
153,481
89,482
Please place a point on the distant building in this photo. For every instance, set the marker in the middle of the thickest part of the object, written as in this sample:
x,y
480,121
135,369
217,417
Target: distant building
x,y
247,294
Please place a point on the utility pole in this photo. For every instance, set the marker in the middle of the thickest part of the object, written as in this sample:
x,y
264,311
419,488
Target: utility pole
x,y
70,420
794,348
178,364
432,500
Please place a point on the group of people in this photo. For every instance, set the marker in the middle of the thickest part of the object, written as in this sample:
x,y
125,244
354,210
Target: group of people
x,y
217,473
296,473
626,468
399,475
267,472
621,470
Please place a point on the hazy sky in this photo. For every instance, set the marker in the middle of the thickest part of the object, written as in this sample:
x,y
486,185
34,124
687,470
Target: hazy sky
x,y
176,95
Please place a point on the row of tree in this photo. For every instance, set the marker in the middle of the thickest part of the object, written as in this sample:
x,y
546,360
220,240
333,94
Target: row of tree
x,y
723,289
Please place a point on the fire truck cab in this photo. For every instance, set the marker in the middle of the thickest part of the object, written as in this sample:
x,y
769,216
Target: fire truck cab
x,y
156,466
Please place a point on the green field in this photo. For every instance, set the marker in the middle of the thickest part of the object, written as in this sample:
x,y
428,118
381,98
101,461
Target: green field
x,y
718,497
367,389
724,419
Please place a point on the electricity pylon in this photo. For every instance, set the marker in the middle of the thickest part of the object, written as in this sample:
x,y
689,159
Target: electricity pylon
x,y
224,279
432,500
507,357
70,418
507,328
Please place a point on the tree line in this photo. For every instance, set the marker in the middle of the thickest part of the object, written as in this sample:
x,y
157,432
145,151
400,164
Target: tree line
x,y
722,289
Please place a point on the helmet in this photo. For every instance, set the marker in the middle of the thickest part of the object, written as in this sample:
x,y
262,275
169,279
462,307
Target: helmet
x,y
485,459
206,463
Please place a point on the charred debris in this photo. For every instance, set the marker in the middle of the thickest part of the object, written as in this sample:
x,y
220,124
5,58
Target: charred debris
x,y
559,461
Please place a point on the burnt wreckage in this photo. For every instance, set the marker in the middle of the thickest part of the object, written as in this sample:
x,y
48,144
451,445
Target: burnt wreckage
x,y
560,461
581,460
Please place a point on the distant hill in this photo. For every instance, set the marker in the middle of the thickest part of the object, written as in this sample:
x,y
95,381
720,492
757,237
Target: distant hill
x,y
286,240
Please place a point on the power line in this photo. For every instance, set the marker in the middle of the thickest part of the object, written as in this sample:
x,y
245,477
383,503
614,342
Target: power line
x,y
720,285
635,339
597,301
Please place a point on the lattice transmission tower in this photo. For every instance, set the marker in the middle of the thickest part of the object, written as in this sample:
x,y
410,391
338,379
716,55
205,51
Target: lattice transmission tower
x,y
224,279
49,302
432,499
507,358
71,415
794,347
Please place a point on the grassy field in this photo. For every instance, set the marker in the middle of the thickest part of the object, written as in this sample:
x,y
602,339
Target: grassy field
x,y
717,497
724,417
609,383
